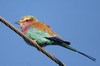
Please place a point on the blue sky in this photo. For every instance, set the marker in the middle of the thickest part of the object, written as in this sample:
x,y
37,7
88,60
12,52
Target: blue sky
x,y
77,21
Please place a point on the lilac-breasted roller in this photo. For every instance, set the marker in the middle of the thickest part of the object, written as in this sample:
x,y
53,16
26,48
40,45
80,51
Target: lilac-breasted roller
x,y
43,34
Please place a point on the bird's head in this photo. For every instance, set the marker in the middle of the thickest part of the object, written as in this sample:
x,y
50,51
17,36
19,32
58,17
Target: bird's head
x,y
26,21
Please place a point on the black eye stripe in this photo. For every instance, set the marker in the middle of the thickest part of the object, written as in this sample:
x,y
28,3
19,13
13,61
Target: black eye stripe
x,y
27,20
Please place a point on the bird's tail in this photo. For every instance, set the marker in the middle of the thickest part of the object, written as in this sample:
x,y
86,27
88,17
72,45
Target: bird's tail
x,y
69,47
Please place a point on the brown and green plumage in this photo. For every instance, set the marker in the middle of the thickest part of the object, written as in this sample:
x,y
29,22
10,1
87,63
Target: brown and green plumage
x,y
43,34
44,28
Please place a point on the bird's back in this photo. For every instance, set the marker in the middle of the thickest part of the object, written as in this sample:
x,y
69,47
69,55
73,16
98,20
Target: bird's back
x,y
44,28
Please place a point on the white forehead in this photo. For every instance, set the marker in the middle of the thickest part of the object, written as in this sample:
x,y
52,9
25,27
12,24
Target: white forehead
x,y
25,18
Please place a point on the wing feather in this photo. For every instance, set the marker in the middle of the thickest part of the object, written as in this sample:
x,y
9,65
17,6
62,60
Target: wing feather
x,y
45,28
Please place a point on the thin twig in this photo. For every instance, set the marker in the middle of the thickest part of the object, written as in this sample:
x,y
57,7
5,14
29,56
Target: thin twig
x,y
31,41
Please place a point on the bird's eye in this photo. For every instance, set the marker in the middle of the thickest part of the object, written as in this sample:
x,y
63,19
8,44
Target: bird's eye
x,y
27,20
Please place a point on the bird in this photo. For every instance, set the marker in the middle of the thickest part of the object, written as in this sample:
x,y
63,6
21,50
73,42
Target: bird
x,y
43,35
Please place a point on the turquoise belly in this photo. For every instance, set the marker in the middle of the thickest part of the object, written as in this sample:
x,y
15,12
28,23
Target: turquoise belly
x,y
39,37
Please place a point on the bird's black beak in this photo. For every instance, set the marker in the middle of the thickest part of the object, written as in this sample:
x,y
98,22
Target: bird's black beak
x,y
18,22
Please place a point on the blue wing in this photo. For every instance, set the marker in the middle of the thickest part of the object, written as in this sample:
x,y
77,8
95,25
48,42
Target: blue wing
x,y
57,39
